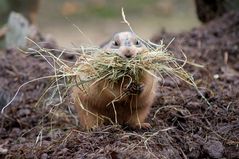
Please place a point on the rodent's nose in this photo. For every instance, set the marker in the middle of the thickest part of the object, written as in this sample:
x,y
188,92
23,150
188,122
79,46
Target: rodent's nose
x,y
128,53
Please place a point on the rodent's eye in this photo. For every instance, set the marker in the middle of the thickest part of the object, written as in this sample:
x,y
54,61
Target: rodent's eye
x,y
137,42
115,43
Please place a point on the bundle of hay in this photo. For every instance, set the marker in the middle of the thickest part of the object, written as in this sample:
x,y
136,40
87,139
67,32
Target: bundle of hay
x,y
95,64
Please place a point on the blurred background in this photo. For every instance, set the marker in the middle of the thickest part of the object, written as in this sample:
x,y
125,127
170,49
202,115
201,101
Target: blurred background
x,y
99,19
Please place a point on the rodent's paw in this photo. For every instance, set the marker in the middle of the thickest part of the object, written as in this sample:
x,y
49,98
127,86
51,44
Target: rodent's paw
x,y
135,88
143,126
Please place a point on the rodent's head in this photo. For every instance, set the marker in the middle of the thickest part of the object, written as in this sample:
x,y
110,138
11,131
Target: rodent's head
x,y
125,44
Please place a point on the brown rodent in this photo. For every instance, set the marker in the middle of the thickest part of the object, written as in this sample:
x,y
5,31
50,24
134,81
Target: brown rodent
x,y
126,103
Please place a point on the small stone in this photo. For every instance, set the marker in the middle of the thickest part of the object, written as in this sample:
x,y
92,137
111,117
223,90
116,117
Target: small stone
x,y
214,148
15,133
216,76
44,156
3,151
23,112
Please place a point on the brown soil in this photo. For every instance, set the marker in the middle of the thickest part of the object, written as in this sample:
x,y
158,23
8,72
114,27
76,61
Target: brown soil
x,y
183,124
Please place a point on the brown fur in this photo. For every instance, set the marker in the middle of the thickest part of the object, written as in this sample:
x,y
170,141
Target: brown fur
x,y
104,103
99,103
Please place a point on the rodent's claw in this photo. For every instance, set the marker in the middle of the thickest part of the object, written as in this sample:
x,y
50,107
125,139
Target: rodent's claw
x,y
135,88
141,87
143,126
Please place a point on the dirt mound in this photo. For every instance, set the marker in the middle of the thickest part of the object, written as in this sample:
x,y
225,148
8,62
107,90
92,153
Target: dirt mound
x,y
216,46
184,125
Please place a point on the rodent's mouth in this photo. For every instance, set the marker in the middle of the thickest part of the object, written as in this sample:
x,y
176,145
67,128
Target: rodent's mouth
x,y
127,57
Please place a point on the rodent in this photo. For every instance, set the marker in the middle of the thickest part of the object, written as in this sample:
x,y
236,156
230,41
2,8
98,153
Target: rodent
x,y
98,105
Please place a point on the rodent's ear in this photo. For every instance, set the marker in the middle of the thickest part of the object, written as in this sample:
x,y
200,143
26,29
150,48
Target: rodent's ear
x,y
106,43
